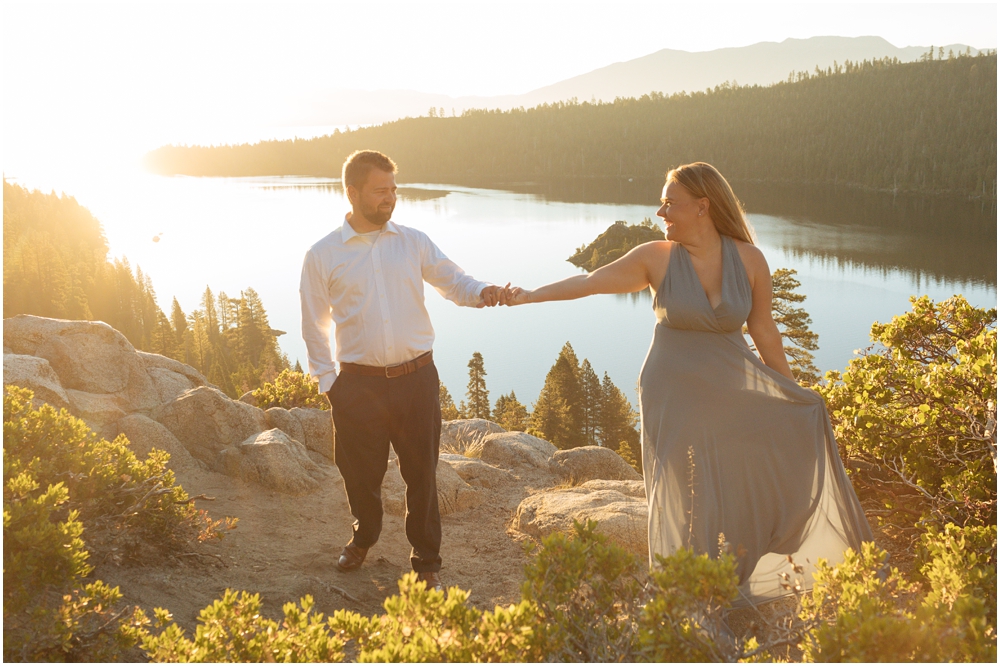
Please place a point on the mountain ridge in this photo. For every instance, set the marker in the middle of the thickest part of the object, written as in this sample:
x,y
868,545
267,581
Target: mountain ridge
x,y
762,63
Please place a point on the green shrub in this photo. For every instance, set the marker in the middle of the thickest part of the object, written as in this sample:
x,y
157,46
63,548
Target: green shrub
x,y
419,625
866,611
132,502
233,630
960,564
422,625
684,621
290,389
58,477
588,593
48,615
917,416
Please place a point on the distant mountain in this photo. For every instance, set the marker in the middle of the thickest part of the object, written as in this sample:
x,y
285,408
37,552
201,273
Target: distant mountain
x,y
667,71
927,127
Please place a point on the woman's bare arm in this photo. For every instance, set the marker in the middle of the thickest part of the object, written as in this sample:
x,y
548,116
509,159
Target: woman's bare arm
x,y
622,276
760,323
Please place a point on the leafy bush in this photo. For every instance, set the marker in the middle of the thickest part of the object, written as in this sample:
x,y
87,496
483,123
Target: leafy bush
x,y
419,625
233,630
429,626
866,611
58,476
47,614
588,593
961,562
120,498
917,414
290,389
684,621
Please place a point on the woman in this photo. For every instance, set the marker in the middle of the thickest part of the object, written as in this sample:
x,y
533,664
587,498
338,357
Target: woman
x,y
735,453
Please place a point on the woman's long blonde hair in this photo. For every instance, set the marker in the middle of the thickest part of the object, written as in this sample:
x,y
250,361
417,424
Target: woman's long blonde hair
x,y
704,181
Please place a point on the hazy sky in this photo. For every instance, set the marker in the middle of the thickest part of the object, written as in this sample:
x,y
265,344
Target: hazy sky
x,y
155,70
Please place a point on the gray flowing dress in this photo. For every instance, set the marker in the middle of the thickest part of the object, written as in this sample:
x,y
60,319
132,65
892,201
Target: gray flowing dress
x,y
733,451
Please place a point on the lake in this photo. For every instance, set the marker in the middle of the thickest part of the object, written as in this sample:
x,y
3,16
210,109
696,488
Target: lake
x,y
859,258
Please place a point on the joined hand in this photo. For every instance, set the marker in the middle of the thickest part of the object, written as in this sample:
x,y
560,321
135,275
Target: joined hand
x,y
493,295
518,296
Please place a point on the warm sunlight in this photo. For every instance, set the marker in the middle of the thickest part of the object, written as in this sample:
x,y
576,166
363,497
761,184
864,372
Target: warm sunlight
x,y
366,331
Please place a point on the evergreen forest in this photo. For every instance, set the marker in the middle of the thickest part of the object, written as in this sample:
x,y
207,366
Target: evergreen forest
x,y
927,127
55,264
574,408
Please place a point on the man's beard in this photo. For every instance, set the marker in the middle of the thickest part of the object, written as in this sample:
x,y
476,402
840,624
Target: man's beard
x,y
376,216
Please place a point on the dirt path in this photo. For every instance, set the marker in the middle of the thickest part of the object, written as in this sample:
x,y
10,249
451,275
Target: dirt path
x,y
285,547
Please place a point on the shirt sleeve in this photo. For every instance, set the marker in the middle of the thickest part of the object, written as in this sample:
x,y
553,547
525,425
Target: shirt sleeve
x,y
447,278
316,322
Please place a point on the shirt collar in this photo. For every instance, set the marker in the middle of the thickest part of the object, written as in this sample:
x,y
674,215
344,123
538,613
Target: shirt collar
x,y
347,232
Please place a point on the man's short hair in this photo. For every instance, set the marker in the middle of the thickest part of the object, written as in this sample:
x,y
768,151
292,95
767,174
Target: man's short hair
x,y
359,165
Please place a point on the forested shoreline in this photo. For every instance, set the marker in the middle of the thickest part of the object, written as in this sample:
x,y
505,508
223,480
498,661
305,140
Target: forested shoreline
x,y
927,127
55,264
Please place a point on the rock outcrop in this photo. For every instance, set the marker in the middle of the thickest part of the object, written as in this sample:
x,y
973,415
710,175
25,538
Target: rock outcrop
x,y
477,473
206,421
97,409
273,460
592,462
317,428
454,494
621,517
88,356
462,435
515,449
282,419
144,434
35,373
629,488
157,402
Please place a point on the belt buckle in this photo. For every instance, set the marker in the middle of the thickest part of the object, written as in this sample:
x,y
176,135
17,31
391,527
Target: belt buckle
x,y
393,371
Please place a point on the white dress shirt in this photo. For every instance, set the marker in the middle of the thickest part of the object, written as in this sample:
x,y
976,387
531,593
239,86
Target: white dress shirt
x,y
371,287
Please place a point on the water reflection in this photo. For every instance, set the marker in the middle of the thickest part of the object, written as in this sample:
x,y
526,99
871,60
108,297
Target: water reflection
x,y
936,238
333,185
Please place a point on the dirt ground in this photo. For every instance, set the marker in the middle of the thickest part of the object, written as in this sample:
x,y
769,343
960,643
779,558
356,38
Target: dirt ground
x,y
285,547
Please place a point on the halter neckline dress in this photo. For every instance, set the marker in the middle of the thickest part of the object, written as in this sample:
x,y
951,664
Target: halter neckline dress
x,y
736,455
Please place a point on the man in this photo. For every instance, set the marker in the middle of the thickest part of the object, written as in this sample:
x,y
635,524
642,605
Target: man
x,y
367,279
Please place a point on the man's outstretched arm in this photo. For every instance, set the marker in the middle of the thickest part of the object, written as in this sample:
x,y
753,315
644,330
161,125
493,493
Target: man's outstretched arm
x,y
453,283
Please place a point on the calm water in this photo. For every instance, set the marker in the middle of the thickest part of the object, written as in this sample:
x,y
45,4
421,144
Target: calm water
x,y
859,258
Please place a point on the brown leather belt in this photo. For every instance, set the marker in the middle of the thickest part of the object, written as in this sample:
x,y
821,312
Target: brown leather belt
x,y
389,371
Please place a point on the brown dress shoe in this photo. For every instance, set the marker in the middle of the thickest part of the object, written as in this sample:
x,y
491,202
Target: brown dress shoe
x,y
432,579
351,558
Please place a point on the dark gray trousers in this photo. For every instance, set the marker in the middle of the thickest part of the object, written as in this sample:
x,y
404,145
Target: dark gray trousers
x,y
369,413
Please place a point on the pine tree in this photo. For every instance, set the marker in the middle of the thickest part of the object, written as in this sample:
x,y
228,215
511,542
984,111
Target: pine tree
x,y
510,413
590,389
793,322
567,369
618,420
178,320
629,456
559,413
448,410
550,417
479,398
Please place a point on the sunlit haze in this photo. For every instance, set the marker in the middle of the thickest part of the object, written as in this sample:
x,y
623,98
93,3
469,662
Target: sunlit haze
x,y
89,84
89,88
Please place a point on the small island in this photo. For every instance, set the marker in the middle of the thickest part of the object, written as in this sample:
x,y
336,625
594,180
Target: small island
x,y
617,240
